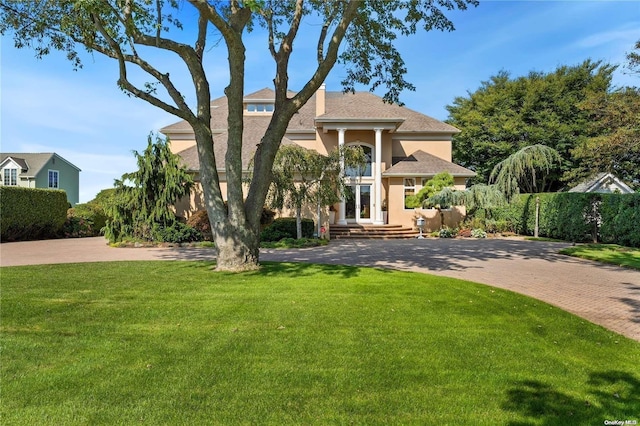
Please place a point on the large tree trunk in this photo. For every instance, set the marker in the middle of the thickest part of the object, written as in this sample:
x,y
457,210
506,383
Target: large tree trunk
x,y
238,248
237,239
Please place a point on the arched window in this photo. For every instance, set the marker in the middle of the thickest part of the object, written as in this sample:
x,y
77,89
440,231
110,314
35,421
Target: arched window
x,y
367,170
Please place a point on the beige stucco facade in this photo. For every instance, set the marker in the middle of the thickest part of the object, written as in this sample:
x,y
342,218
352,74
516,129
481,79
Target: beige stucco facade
x,y
400,143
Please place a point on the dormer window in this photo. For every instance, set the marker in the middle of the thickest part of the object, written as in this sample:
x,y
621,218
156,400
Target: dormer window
x,y
259,107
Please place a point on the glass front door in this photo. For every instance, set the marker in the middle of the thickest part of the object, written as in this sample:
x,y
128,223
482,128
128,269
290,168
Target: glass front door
x,y
358,203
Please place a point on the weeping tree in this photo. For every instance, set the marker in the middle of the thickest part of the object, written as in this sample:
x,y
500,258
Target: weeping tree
x,y
303,177
140,205
143,37
525,170
474,198
479,199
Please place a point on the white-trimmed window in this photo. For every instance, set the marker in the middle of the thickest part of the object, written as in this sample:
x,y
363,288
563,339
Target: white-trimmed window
x,y
409,189
10,177
367,170
54,176
260,107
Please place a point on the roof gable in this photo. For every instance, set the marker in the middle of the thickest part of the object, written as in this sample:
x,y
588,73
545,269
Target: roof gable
x,y
604,183
421,163
16,162
34,162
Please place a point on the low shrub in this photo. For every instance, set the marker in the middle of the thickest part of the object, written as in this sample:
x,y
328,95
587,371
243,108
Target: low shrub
x,y
478,233
446,233
84,220
267,217
285,227
77,227
501,226
200,221
465,233
178,232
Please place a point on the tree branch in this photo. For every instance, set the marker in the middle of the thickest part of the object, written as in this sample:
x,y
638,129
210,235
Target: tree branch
x,y
182,111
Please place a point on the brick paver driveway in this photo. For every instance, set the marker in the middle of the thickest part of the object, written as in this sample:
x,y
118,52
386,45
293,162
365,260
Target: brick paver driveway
x,y
605,295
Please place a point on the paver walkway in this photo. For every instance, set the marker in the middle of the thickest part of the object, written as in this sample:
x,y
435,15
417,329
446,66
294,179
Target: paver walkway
x,y
606,295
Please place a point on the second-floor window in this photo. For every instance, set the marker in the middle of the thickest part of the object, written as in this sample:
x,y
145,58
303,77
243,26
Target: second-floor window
x,y
259,107
10,177
53,178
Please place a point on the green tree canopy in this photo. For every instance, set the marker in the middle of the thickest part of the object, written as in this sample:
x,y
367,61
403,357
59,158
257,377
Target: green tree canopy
x,y
614,120
505,115
360,34
633,59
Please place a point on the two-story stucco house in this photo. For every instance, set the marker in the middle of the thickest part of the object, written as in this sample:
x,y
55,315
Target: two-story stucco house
x,y
41,170
405,148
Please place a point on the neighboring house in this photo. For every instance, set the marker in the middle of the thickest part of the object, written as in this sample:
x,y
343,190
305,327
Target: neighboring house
x,y
603,183
405,148
43,170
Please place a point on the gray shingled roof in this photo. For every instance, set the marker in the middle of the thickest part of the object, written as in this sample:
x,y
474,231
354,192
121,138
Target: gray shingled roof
x,y
421,163
32,162
253,131
338,105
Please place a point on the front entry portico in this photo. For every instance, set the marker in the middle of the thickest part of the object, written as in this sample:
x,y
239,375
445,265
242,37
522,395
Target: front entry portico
x,y
365,204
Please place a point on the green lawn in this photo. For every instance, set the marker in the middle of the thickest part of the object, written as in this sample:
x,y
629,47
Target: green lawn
x,y
173,343
607,253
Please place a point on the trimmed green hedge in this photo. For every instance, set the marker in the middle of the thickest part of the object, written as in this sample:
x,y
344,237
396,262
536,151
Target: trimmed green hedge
x,y
285,227
579,217
30,214
620,219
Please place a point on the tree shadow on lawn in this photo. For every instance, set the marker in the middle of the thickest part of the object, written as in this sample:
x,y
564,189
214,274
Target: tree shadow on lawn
x,y
633,303
307,269
427,254
611,395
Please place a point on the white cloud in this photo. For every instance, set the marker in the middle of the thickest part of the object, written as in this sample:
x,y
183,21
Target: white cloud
x,y
626,36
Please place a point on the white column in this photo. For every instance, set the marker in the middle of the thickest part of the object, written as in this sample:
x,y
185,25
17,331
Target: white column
x,y
341,210
378,179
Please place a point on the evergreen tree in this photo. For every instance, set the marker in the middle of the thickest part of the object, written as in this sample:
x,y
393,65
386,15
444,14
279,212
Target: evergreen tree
x,y
142,203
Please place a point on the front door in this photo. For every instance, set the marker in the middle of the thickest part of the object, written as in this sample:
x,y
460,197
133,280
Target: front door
x,y
358,201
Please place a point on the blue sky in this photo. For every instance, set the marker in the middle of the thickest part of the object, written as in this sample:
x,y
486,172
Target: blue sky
x,y
46,106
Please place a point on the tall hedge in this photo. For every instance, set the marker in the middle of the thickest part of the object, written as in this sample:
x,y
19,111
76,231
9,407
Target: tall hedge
x,y
579,217
29,214
620,216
